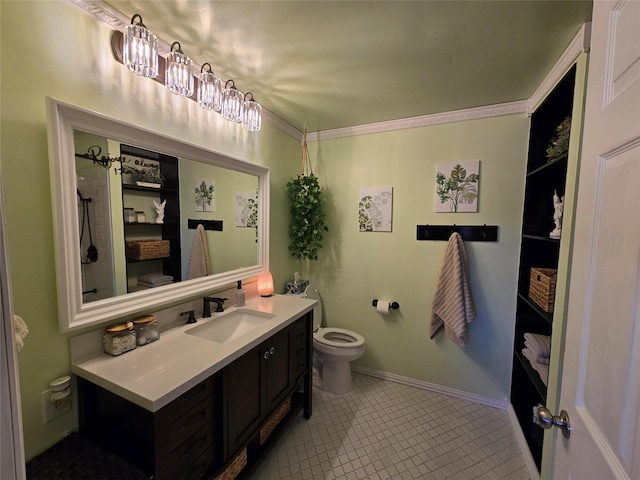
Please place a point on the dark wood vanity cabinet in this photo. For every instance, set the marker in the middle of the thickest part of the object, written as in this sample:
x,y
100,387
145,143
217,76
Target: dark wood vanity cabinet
x,y
199,433
182,437
254,385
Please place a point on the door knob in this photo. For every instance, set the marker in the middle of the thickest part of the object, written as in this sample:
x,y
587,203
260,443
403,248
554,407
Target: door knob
x,y
543,417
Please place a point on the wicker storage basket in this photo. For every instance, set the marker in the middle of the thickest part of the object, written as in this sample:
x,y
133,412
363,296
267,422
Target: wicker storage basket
x,y
147,249
542,287
235,467
274,420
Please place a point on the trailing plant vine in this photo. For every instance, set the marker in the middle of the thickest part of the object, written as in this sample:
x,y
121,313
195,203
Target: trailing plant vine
x,y
307,222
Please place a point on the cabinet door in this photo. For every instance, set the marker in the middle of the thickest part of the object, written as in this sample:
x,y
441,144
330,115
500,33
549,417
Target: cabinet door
x,y
278,369
243,380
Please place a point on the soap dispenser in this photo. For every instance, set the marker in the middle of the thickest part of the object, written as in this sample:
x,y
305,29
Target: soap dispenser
x,y
240,295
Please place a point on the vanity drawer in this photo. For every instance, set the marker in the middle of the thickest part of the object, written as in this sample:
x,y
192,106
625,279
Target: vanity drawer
x,y
171,412
189,455
172,434
198,468
300,325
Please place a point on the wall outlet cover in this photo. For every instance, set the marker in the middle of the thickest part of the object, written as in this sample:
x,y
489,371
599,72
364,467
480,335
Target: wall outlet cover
x,y
52,410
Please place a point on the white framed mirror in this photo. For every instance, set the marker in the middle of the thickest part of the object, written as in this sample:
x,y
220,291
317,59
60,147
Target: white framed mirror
x,y
81,234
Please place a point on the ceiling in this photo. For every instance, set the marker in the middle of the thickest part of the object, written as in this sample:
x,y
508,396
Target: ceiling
x,y
338,64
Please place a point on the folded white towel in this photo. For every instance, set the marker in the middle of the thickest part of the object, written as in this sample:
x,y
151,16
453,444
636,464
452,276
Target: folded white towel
x,y
539,345
20,331
152,285
452,305
543,370
155,278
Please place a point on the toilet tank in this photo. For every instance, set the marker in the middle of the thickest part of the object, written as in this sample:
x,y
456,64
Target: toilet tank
x,y
312,292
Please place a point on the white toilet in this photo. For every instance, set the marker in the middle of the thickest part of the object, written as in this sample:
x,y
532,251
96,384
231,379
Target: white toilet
x,y
334,349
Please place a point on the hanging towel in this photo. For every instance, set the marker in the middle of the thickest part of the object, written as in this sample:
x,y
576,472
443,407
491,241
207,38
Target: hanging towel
x,y
20,331
199,264
453,306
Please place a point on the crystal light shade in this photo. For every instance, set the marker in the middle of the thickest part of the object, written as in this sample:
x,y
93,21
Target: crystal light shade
x,y
140,50
209,90
251,113
179,74
232,102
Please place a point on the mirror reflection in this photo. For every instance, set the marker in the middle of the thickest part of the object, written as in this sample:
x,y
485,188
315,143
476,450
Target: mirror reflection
x,y
147,219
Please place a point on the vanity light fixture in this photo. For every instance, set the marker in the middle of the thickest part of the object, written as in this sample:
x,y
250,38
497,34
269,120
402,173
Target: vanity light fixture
x,y
209,89
137,48
251,113
232,102
179,73
265,284
140,50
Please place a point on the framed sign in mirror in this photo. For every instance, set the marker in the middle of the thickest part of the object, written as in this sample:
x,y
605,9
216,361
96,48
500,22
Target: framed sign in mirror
x,y
124,200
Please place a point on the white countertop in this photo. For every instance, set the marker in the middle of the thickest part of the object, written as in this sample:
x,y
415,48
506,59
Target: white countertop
x,y
153,375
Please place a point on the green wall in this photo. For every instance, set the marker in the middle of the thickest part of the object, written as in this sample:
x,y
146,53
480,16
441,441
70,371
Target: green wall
x,y
356,267
67,55
53,49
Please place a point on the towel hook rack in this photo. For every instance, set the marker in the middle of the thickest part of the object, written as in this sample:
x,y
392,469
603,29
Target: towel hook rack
x,y
475,233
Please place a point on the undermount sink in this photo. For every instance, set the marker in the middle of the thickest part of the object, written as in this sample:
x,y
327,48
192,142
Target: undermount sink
x,y
230,326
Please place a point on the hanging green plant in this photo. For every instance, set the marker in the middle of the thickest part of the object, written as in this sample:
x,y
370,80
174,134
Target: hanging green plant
x,y
307,220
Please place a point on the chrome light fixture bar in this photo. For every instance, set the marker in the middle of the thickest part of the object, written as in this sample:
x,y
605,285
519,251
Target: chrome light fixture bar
x,y
251,113
137,48
140,49
209,89
179,73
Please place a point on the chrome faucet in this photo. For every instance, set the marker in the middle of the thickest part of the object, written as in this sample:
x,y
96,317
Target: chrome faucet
x,y
206,307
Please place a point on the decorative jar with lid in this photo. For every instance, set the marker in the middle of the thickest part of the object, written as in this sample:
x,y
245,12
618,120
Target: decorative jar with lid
x,y
147,329
119,338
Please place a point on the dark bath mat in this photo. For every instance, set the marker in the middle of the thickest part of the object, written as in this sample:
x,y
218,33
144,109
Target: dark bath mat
x,y
74,458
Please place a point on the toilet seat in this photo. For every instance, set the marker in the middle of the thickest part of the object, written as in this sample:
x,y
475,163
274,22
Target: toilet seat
x,y
338,337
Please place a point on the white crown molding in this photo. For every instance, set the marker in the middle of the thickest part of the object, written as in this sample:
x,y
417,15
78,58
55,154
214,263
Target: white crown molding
x,y
579,44
279,123
475,113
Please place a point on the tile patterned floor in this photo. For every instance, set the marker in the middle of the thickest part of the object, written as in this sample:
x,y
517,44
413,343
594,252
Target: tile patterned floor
x,y
385,430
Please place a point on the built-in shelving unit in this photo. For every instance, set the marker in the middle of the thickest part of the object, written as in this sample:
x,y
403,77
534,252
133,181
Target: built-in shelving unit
x,y
132,195
537,250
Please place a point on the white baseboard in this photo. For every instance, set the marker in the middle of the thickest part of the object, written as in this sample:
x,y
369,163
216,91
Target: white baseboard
x,y
526,453
491,402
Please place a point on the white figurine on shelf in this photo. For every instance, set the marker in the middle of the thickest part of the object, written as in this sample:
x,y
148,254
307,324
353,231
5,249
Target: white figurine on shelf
x,y
558,208
160,210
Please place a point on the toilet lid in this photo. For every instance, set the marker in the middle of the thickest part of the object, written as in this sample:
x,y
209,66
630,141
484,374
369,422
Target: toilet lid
x,y
312,292
339,337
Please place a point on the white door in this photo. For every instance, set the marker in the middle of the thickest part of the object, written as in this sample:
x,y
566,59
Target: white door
x,y
601,371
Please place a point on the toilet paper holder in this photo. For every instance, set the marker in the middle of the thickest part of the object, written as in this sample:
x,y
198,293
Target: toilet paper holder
x,y
392,305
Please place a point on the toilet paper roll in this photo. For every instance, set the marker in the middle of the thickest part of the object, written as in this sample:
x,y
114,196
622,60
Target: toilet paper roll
x,y
382,307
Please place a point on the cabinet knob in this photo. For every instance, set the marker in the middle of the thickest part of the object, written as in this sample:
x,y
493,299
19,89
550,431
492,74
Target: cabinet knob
x,y
266,355
272,350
